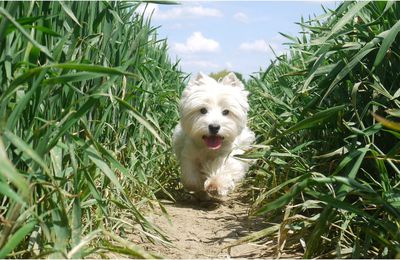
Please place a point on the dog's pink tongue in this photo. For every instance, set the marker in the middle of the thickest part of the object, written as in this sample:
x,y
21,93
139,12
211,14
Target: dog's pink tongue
x,y
213,142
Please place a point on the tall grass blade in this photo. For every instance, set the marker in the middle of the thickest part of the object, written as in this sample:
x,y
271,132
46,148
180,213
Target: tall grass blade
x,y
16,238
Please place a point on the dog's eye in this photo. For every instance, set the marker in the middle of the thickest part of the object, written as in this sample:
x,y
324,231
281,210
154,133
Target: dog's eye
x,y
225,112
203,110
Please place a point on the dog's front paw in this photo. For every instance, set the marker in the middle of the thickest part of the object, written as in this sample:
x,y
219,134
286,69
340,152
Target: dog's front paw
x,y
218,185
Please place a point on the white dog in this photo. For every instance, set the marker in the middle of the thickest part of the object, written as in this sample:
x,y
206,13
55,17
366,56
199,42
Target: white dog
x,y
212,129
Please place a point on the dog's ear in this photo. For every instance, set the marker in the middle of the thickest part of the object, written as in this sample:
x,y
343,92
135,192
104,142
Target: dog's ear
x,y
232,80
199,79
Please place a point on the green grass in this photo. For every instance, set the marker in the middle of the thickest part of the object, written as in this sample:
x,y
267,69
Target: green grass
x,y
329,172
86,94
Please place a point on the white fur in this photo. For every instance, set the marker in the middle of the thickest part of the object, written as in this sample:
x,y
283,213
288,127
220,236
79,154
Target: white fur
x,y
204,170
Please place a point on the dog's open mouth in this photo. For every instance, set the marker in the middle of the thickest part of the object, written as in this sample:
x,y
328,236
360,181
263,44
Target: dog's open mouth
x,y
213,142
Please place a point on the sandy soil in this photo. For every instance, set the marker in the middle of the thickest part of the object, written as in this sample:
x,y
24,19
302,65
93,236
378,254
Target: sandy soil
x,y
206,230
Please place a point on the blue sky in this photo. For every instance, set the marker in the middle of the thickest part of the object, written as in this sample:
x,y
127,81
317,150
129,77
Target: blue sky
x,y
211,36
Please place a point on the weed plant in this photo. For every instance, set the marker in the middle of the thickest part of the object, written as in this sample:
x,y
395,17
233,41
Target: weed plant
x,y
86,112
325,113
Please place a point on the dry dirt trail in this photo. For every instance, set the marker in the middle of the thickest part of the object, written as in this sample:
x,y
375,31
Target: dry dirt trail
x,y
198,230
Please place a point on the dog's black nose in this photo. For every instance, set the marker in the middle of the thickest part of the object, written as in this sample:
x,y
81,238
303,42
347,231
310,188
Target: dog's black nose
x,y
213,128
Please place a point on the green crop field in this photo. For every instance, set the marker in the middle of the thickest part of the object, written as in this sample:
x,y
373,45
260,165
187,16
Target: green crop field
x,y
88,101
330,161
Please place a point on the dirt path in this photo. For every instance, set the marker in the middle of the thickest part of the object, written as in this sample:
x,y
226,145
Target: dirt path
x,y
199,230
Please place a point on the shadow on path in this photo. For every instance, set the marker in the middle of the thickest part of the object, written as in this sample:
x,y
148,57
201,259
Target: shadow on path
x,y
206,229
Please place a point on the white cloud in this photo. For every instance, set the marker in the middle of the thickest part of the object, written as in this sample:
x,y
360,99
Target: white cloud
x,y
184,12
262,46
201,11
197,43
257,45
241,17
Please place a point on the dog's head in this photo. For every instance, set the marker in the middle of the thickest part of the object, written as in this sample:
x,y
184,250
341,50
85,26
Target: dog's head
x,y
214,113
